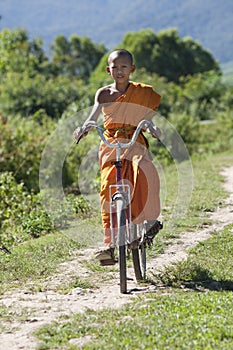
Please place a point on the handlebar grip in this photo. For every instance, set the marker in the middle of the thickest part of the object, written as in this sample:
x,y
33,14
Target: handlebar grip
x,y
77,141
83,135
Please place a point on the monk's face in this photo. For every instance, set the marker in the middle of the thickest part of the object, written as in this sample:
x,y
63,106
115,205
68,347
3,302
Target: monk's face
x,y
120,67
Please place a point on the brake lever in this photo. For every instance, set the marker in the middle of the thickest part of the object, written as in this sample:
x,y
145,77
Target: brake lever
x,y
81,136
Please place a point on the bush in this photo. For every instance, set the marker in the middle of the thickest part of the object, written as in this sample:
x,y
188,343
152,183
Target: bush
x,y
188,127
216,136
21,143
23,216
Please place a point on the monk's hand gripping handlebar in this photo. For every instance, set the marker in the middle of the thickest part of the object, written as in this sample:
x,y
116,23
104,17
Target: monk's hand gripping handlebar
x,y
83,133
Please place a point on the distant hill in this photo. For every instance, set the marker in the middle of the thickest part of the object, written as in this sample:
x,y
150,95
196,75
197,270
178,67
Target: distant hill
x,y
107,21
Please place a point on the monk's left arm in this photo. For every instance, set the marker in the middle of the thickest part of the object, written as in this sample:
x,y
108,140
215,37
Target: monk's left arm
x,y
153,130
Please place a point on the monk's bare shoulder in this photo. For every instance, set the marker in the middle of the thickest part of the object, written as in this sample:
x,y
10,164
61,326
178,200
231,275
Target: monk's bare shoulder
x,y
106,94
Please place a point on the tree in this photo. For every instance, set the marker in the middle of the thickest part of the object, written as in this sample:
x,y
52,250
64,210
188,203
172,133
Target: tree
x,y
18,54
142,46
28,82
21,94
167,54
75,57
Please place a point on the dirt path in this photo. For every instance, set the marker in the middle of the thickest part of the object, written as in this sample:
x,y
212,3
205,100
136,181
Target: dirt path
x,y
48,305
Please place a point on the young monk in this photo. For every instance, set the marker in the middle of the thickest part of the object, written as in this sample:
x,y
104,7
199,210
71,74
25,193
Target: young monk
x,y
124,104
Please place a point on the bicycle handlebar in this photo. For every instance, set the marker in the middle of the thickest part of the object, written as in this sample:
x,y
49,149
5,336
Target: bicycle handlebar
x,y
117,144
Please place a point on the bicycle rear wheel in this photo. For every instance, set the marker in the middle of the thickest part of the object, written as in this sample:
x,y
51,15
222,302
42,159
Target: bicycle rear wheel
x,y
121,223
139,259
137,264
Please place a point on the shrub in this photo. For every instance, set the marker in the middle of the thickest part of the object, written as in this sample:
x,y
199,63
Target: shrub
x,y
23,215
21,143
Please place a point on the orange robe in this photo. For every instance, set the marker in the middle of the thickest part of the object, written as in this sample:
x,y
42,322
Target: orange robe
x,y
120,120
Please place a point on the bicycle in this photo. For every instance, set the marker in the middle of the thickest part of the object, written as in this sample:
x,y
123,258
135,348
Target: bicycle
x,y
130,237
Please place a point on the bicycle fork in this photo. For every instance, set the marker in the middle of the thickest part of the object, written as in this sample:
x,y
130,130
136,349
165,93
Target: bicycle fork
x,y
119,193
120,202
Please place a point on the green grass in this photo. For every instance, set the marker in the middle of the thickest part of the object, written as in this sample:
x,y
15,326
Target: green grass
x,y
192,309
10,315
174,321
207,195
36,259
76,282
39,258
209,265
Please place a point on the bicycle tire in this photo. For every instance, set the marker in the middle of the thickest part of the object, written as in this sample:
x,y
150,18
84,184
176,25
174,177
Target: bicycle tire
x,y
139,259
137,264
143,259
121,222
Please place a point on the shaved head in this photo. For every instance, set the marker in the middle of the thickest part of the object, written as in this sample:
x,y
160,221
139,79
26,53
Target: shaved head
x,y
120,53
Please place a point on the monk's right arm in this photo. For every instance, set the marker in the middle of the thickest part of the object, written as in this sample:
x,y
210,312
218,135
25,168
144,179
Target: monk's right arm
x,y
96,110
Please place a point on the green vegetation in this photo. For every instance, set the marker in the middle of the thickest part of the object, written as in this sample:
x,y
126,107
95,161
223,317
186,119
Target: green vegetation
x,y
175,321
192,297
209,265
166,54
9,315
23,216
35,260
227,70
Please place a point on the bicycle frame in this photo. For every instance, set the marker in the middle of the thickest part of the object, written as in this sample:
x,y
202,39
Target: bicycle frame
x,y
120,204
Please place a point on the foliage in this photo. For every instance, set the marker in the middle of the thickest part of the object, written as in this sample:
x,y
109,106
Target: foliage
x,y
20,94
19,54
188,127
21,144
227,70
166,54
31,82
38,95
216,136
24,216
202,94
200,314
35,82
77,57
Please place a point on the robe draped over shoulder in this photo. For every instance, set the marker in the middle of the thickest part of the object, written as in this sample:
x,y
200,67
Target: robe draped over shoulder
x,y
131,107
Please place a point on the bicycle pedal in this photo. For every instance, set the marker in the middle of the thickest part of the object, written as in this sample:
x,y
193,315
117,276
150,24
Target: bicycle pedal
x,y
150,242
108,262
154,230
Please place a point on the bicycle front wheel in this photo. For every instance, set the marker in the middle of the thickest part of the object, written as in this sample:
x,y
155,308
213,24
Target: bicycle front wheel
x,y
121,223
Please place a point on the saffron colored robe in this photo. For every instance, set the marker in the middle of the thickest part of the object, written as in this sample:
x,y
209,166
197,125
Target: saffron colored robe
x,y
120,120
